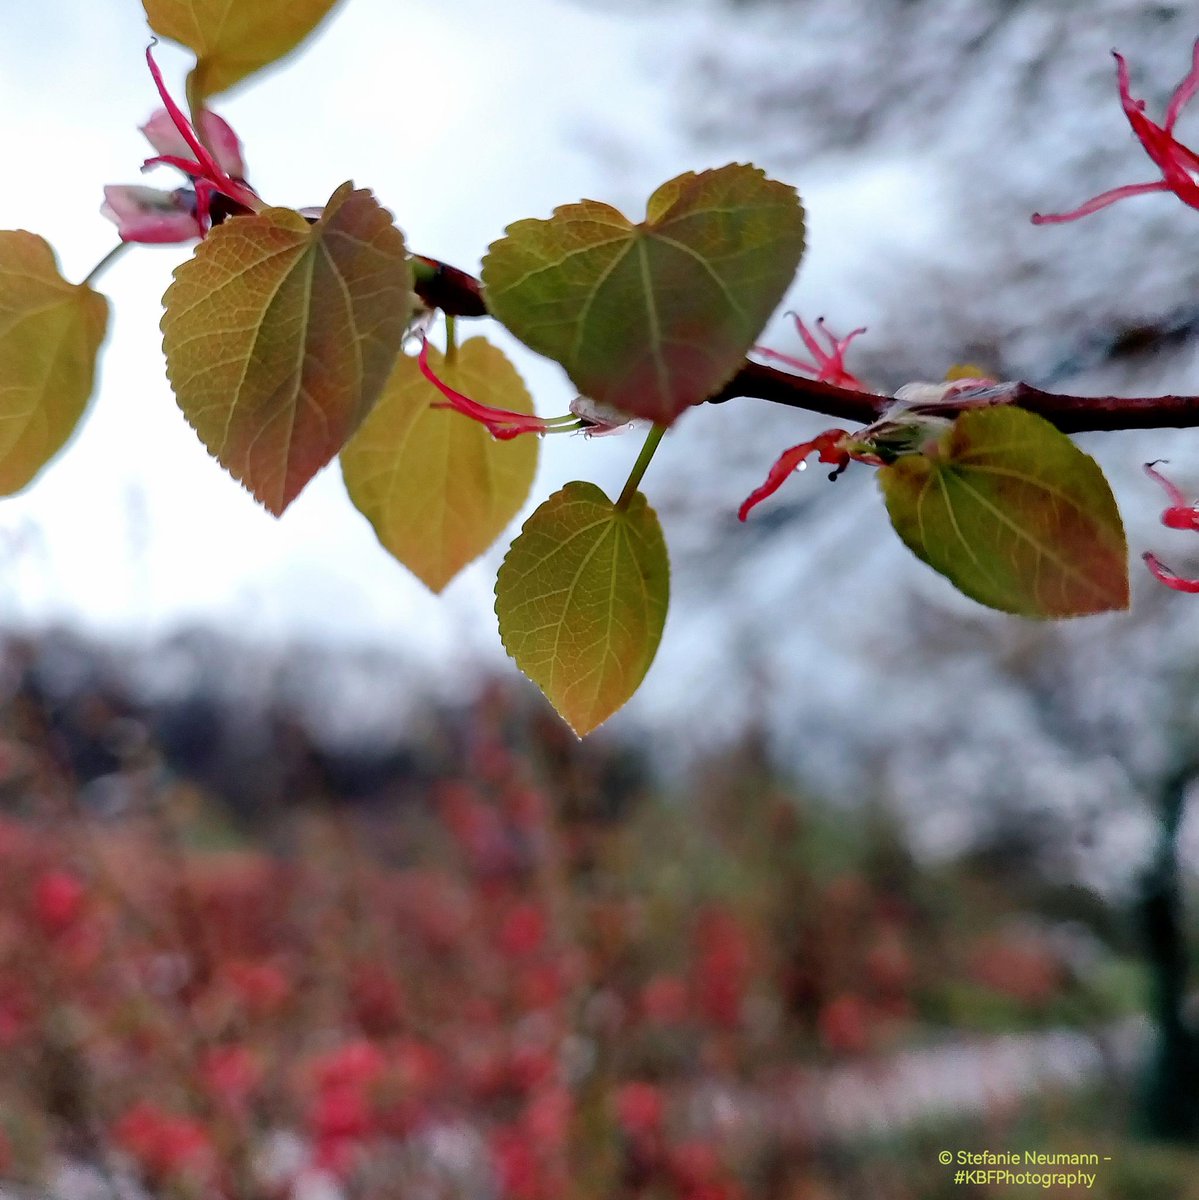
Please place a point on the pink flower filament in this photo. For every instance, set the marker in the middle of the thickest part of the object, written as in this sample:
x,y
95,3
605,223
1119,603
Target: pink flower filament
x,y
501,423
151,216
1179,515
828,446
827,365
209,176
1178,164
1164,575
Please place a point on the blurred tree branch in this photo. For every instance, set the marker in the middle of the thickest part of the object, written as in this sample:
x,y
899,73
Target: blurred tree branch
x,y
461,295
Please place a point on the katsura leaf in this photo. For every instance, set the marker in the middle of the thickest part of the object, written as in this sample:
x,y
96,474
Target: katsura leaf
x,y
50,334
280,335
581,598
654,317
1014,514
436,486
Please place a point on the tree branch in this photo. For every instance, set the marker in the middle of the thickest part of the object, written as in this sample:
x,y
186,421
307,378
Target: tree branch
x,y
1071,414
461,295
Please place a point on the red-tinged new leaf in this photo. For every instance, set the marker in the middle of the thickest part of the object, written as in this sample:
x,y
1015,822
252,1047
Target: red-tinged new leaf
x,y
1013,513
50,334
651,318
436,486
280,335
234,38
581,598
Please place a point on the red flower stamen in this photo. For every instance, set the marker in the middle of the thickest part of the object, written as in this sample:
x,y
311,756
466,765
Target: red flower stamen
x,y
209,175
501,423
1165,576
827,366
1179,515
1178,164
153,216
1185,90
829,446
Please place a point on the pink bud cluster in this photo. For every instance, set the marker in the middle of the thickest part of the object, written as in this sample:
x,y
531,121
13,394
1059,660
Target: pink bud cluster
x,y
154,216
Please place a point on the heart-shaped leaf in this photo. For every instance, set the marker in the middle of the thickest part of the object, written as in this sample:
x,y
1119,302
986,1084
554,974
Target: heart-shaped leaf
x,y
436,486
581,597
651,318
50,334
1013,513
234,38
280,334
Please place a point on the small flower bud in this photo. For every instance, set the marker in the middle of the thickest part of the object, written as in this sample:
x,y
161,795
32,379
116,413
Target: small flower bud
x,y
163,134
150,215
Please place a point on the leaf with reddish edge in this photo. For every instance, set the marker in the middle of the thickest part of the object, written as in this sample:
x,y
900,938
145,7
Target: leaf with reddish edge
x,y
435,485
234,38
1014,514
280,335
581,599
651,318
50,334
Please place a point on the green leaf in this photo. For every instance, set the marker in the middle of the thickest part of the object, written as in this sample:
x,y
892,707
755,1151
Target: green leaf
x,y
581,597
1014,514
655,317
50,334
280,335
234,38
436,486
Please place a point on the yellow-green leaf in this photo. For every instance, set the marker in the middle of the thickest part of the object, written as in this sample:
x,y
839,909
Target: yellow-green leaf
x,y
655,317
1012,512
234,38
581,597
280,335
436,486
50,334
